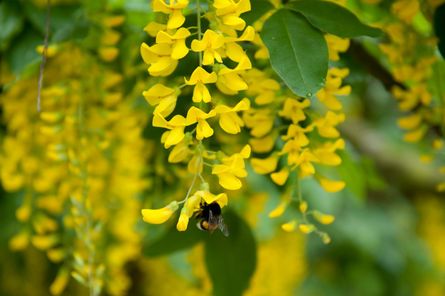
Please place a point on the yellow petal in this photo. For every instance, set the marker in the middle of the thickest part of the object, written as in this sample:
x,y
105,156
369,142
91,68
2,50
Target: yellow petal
x,y
303,206
265,165
229,181
159,216
331,185
183,220
60,282
221,198
289,226
195,165
175,136
157,93
231,123
279,210
410,122
203,130
280,177
175,20
245,152
306,228
324,218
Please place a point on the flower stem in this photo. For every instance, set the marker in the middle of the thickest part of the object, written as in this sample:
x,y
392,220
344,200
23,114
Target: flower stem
x,y
198,16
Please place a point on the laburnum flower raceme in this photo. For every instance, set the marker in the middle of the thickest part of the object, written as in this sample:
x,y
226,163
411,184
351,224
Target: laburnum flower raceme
x,y
204,110
422,116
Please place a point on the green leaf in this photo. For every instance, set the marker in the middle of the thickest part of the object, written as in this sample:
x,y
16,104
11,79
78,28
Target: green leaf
x,y
22,54
67,22
259,8
332,18
11,22
298,51
439,28
174,240
231,260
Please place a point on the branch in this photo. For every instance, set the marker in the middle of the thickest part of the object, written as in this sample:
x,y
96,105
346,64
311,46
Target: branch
x,y
400,167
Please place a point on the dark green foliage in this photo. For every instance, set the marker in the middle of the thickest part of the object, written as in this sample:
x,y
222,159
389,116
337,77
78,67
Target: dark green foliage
x,y
332,18
231,261
439,27
298,51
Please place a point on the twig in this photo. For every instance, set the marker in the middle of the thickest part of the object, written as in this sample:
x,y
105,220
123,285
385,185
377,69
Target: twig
x,y
45,49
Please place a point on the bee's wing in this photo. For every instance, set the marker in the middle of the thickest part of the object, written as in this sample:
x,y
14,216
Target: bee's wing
x,y
213,220
222,226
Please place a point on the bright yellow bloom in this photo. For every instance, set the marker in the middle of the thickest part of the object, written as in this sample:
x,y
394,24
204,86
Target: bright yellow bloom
x,y
263,145
306,228
331,185
164,98
199,79
183,220
233,50
175,125
328,94
304,162
229,11
293,109
260,121
153,28
231,169
296,138
280,177
229,80
203,129
176,41
174,9
159,58
264,165
326,153
229,120
180,152
323,218
211,44
261,86
279,210
326,125
335,46
289,226
159,216
221,198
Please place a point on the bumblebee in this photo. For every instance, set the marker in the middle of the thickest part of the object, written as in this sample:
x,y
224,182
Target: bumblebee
x,y
210,218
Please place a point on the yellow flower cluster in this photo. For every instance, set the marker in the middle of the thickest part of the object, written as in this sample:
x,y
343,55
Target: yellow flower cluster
x,y
310,139
293,133
412,58
212,91
78,165
431,228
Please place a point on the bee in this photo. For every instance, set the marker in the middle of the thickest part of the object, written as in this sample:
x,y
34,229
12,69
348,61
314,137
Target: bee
x,y
211,218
